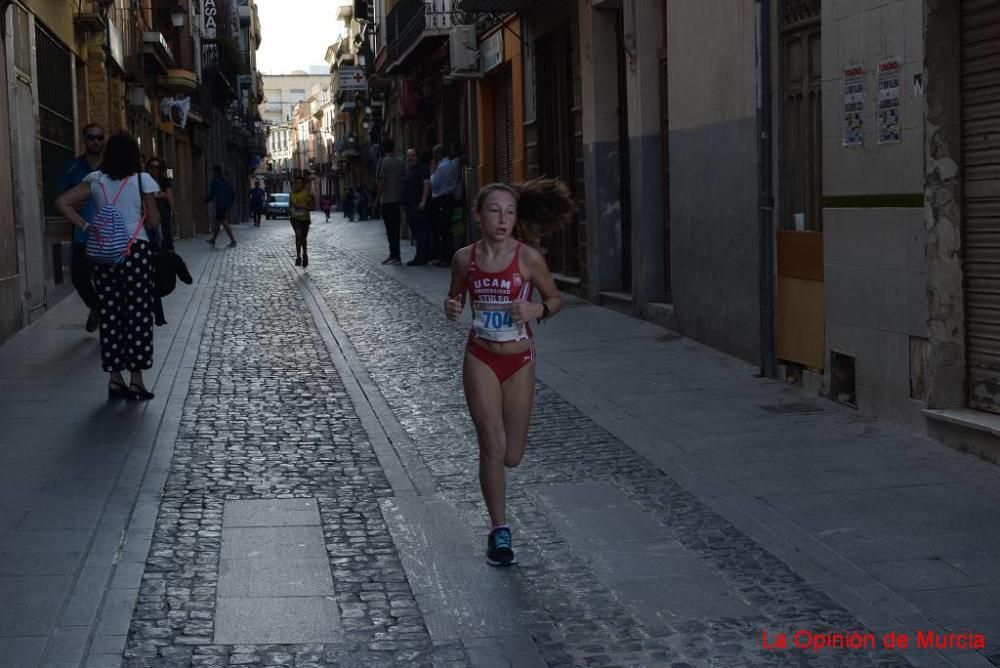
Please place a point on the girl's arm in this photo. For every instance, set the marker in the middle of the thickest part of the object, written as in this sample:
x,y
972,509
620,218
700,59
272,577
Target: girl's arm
x,y
67,202
152,213
541,277
455,301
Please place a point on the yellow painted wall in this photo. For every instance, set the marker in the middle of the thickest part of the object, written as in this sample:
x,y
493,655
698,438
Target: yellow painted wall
x,y
484,99
57,16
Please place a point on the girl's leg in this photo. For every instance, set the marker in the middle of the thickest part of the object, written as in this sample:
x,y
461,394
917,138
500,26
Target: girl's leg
x,y
485,400
518,397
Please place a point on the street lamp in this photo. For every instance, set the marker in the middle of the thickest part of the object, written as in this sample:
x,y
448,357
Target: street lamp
x,y
178,13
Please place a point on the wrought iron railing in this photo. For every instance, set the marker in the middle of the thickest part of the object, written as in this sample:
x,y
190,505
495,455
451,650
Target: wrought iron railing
x,y
410,19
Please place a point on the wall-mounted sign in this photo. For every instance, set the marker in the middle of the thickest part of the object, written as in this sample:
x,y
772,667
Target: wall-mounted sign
x,y
491,51
210,15
854,106
115,44
889,122
352,78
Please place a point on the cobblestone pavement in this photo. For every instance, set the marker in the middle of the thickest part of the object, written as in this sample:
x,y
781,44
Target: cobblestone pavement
x,y
268,417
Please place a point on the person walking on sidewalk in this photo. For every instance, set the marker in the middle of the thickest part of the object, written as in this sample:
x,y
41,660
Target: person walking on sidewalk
x,y
221,190
164,203
302,202
416,194
76,170
500,273
125,289
257,197
325,205
444,180
390,191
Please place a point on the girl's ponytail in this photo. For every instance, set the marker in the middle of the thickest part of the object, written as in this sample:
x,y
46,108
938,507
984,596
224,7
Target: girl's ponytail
x,y
544,207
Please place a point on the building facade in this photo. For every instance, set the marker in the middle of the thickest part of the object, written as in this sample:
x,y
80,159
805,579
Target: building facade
x,y
169,73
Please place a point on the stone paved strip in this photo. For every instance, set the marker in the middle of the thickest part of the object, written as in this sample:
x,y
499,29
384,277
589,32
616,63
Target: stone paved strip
x,y
267,417
413,356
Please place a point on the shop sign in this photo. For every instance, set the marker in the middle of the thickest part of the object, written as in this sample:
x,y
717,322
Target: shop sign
x,y
352,78
491,51
210,15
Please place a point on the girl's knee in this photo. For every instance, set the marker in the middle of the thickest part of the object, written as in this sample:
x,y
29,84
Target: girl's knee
x,y
492,444
513,454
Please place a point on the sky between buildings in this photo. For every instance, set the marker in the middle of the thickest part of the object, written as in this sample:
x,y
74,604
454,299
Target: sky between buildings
x,y
295,34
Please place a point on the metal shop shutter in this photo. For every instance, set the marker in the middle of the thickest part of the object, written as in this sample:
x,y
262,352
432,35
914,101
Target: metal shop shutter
x,y
981,195
503,126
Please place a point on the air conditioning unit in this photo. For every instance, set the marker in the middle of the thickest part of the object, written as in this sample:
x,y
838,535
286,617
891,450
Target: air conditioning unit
x,y
138,99
463,51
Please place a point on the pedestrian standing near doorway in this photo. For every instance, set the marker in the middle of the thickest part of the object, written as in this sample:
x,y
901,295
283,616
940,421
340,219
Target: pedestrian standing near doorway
x,y
164,202
444,180
75,171
302,202
124,197
348,204
500,272
257,196
221,190
416,194
390,192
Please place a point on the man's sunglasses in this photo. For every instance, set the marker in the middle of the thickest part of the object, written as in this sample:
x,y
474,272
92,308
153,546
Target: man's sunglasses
x,y
94,137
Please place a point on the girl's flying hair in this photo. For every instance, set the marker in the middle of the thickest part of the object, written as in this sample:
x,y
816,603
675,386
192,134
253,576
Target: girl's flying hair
x,y
544,206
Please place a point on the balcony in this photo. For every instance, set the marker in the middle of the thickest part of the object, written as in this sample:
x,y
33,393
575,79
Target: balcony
x,y
125,42
219,71
413,29
257,144
158,56
179,82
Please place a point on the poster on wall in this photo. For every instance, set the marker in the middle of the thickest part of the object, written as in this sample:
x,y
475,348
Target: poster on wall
x,y
889,80
175,110
854,105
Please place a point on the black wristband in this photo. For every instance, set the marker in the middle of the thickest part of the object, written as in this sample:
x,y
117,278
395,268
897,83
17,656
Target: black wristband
x,y
545,312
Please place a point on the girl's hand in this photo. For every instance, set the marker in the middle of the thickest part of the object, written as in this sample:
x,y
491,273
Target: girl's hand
x,y
452,308
522,312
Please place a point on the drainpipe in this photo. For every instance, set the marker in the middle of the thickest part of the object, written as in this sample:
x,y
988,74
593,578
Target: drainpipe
x,y
765,211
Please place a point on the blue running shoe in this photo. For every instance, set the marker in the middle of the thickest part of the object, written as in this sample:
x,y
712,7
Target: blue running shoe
x,y
498,548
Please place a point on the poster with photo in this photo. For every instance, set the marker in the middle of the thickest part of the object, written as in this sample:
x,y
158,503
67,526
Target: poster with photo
x,y
175,110
854,106
889,99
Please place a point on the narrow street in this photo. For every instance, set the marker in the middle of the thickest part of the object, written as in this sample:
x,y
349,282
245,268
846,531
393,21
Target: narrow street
x,y
303,491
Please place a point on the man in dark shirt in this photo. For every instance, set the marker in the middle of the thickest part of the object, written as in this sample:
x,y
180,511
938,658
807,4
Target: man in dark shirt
x,y
222,192
390,191
416,194
81,270
257,197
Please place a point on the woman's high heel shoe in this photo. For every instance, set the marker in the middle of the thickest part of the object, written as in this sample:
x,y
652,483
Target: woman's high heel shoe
x,y
139,393
117,390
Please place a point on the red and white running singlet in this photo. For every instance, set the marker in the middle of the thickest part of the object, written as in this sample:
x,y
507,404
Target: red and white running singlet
x,y
493,294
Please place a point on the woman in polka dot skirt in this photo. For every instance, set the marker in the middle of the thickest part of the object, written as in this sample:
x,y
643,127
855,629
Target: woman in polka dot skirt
x,y
125,291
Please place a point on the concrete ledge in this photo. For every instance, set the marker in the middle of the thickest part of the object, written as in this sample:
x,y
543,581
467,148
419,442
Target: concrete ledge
x,y
570,284
616,301
661,314
965,429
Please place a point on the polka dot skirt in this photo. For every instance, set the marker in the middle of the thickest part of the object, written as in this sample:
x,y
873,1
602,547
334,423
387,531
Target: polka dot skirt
x,y
125,294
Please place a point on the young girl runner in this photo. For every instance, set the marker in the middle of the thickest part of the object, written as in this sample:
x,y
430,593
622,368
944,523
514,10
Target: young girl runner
x,y
500,273
302,202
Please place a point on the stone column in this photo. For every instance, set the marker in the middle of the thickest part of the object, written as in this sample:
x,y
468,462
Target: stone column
x,y
944,356
599,83
643,25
